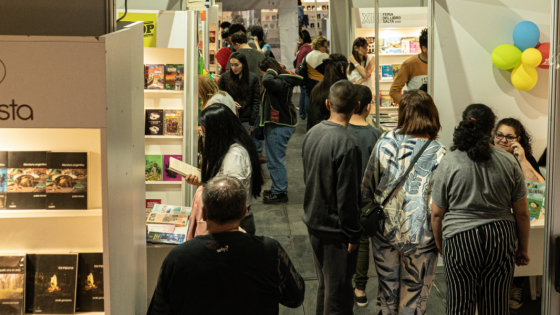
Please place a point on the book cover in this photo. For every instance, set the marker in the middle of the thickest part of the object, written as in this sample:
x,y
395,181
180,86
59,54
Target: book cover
x,y
165,238
159,208
169,175
173,123
50,286
67,180
161,228
414,48
155,77
212,59
371,45
164,218
386,72
174,77
392,45
212,36
27,180
90,295
3,178
154,122
535,197
12,284
153,168
150,205
396,68
405,46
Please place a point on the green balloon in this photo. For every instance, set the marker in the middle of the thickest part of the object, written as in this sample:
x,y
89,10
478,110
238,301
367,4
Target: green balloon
x,y
506,57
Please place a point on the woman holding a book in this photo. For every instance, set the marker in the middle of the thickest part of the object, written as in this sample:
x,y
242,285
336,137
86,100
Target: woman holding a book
x,y
474,190
361,64
228,150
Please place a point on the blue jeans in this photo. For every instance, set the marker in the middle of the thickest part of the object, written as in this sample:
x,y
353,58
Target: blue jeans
x,y
303,103
276,141
258,143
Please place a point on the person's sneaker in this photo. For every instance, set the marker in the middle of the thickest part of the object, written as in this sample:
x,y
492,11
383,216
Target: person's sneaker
x,y
362,301
275,198
515,294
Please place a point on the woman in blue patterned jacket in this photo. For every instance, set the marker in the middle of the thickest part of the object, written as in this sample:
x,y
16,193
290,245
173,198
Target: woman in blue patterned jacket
x,y
404,249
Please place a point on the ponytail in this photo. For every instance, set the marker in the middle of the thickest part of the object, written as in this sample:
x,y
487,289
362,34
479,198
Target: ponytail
x,y
473,133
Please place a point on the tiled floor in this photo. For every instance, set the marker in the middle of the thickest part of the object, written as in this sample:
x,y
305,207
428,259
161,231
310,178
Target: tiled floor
x,y
283,222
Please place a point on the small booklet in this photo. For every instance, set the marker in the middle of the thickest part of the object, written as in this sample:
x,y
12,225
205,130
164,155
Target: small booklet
x,y
183,168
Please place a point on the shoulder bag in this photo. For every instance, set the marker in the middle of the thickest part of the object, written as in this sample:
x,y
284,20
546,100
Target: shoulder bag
x,y
373,214
302,71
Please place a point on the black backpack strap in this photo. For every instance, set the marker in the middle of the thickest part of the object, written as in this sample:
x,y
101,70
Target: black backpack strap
x,y
412,163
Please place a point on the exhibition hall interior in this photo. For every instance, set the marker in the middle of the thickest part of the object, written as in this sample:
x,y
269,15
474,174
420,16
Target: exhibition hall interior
x,y
290,157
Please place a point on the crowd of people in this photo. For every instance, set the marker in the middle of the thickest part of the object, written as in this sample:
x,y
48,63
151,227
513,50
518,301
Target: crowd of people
x,y
456,203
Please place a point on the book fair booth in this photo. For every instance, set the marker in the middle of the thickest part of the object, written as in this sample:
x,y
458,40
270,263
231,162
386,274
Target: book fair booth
x,y
90,127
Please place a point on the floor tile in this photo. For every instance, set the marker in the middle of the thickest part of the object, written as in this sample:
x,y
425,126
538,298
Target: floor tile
x,y
304,255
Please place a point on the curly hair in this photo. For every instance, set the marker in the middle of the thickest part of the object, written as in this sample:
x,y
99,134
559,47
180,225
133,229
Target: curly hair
x,y
318,42
358,42
525,139
473,133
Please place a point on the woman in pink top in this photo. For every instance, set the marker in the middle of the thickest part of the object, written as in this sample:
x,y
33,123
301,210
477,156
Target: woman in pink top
x,y
303,48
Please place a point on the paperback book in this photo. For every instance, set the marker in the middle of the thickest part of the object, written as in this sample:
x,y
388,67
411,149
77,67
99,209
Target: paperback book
x,y
154,122
175,77
164,218
67,180
396,68
90,295
392,45
386,72
153,168
371,45
159,208
3,178
169,175
51,283
155,77
161,228
27,180
12,284
165,238
535,197
150,203
173,122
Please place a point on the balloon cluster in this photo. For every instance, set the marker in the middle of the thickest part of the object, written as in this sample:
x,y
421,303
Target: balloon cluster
x,y
524,56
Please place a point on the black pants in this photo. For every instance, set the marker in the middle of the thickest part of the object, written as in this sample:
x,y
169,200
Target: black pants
x,y
335,268
479,265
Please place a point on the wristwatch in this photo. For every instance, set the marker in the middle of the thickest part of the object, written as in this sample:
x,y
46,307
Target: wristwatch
x,y
356,65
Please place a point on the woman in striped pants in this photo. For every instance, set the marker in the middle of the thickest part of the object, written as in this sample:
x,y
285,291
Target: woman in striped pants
x,y
475,187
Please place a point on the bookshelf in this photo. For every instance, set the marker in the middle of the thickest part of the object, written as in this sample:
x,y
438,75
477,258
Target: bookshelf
x,y
318,14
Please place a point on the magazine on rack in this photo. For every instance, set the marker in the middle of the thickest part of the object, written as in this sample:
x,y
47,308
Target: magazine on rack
x,y
183,168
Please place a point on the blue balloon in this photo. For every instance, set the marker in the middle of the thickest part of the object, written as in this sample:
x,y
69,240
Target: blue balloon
x,y
526,35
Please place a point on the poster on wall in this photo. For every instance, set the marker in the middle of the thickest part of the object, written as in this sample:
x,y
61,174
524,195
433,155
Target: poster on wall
x,y
150,26
392,17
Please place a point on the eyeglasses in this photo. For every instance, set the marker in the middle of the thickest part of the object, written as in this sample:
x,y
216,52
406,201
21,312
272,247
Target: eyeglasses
x,y
500,136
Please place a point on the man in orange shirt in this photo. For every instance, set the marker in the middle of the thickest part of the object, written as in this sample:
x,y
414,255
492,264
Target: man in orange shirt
x,y
413,72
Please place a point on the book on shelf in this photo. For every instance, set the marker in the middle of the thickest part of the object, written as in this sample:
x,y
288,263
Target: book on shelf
x,y
391,45
3,178
165,238
12,284
371,44
168,174
386,72
27,180
67,180
155,77
154,122
161,228
50,286
212,59
150,203
183,168
166,218
396,68
153,168
406,44
175,77
385,98
212,38
173,122
90,295
159,208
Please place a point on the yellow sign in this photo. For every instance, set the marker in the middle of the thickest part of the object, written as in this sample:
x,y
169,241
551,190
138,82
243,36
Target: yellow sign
x,y
150,26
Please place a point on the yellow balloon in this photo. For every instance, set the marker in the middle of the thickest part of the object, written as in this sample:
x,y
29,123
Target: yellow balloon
x,y
531,57
524,78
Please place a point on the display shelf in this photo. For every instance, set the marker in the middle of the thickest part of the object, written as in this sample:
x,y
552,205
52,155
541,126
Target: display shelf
x,y
164,91
31,214
164,183
387,55
389,107
386,81
164,137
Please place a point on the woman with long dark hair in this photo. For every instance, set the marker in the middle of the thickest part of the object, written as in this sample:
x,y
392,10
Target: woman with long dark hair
x,y
474,190
361,64
303,49
279,119
335,70
228,150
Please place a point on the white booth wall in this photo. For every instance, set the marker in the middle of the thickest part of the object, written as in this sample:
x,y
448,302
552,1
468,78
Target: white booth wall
x,y
465,34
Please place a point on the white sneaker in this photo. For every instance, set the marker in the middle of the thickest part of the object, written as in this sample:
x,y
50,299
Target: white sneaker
x,y
515,294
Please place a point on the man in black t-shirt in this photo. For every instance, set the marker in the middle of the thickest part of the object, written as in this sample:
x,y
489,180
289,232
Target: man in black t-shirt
x,y
226,271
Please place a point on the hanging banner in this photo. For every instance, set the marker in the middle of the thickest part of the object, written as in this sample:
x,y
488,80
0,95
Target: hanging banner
x,y
392,17
150,26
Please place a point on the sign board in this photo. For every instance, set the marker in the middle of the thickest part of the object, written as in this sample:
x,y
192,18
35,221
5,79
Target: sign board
x,y
150,26
392,17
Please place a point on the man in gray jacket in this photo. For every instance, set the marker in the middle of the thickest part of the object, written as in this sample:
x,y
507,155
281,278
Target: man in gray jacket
x,y
332,173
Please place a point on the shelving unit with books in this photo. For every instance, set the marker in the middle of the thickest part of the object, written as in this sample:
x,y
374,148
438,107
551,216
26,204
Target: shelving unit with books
x,y
90,118
318,13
